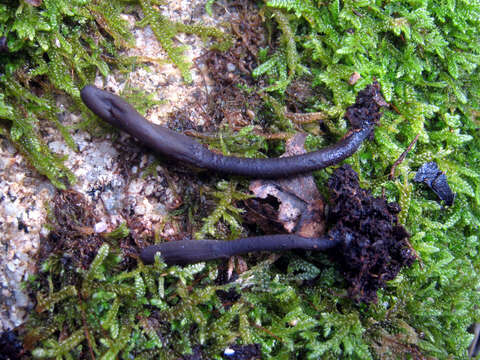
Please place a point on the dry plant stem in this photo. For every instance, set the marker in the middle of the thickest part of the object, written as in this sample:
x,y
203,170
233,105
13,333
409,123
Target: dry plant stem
x,y
402,157
305,118
85,329
276,136
192,251
120,114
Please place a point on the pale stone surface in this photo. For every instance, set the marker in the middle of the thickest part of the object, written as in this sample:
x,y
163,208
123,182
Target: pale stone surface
x,y
98,165
22,214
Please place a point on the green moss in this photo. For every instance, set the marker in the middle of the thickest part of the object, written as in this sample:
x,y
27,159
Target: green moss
x,y
165,30
120,232
426,59
58,47
226,211
425,55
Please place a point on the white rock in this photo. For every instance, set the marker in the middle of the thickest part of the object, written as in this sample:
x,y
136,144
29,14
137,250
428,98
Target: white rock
x,y
21,299
228,352
11,266
140,210
100,227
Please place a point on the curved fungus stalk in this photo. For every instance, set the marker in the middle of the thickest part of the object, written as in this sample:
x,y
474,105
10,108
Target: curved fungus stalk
x,y
192,251
363,116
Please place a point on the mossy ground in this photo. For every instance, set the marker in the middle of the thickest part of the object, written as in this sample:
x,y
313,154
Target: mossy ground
x,y
425,54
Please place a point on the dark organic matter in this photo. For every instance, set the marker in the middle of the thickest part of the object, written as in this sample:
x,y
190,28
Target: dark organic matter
x,y
10,346
230,296
3,44
196,354
243,352
72,233
362,116
430,174
374,247
474,348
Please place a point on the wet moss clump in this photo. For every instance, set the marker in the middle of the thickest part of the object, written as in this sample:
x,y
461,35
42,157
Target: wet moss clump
x,y
56,47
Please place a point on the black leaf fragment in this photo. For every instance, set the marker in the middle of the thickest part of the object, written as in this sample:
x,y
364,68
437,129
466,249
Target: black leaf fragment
x,y
430,174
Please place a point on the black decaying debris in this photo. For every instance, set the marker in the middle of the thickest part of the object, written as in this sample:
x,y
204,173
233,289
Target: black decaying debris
x,y
374,247
10,346
474,348
3,44
230,296
366,109
430,174
196,354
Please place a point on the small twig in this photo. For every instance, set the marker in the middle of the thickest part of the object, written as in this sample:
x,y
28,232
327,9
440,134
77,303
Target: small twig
x,y
419,259
395,108
85,328
205,136
277,136
200,135
305,118
205,85
172,185
241,34
402,157
149,59
267,331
